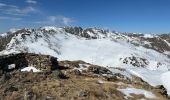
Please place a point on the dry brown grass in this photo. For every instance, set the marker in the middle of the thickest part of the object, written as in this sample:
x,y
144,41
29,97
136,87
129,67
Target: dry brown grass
x,y
76,87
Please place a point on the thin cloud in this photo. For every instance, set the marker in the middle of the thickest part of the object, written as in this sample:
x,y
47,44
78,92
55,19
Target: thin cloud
x,y
7,5
66,21
10,18
15,10
56,20
60,19
16,13
2,4
25,10
31,1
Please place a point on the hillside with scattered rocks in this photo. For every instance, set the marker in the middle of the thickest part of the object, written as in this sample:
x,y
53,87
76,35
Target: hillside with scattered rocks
x,y
76,80
80,60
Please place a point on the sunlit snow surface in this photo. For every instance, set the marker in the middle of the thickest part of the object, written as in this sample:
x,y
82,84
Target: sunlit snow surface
x,y
166,81
129,91
153,77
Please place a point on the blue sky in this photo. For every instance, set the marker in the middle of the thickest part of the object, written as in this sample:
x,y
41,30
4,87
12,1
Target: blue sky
x,y
147,16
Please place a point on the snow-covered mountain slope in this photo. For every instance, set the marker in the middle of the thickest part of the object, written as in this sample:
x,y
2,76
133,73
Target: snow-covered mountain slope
x,y
147,56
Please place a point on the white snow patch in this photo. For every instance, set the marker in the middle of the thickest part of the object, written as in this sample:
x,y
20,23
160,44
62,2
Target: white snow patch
x,y
11,66
90,33
148,36
28,69
48,28
153,77
129,91
13,30
167,52
166,81
125,73
3,34
100,81
82,67
167,42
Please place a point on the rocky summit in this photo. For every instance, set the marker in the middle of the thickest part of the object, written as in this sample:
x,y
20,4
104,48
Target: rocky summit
x,y
74,63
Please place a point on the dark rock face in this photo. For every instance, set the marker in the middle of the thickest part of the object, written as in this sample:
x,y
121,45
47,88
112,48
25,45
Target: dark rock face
x,y
5,40
15,61
157,43
77,72
163,90
84,32
74,30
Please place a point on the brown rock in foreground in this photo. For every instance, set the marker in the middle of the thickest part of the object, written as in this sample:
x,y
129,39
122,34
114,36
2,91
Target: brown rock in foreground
x,y
16,61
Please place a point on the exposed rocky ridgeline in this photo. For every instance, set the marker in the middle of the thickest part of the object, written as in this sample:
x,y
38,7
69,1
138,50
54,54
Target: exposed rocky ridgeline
x,y
159,43
89,33
74,80
4,40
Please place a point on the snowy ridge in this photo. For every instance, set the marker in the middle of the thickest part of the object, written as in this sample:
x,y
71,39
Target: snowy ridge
x,y
114,47
11,31
136,52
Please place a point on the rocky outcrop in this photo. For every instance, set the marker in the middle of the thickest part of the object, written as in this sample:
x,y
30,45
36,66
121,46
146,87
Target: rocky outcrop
x,y
16,61
90,33
5,40
135,61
